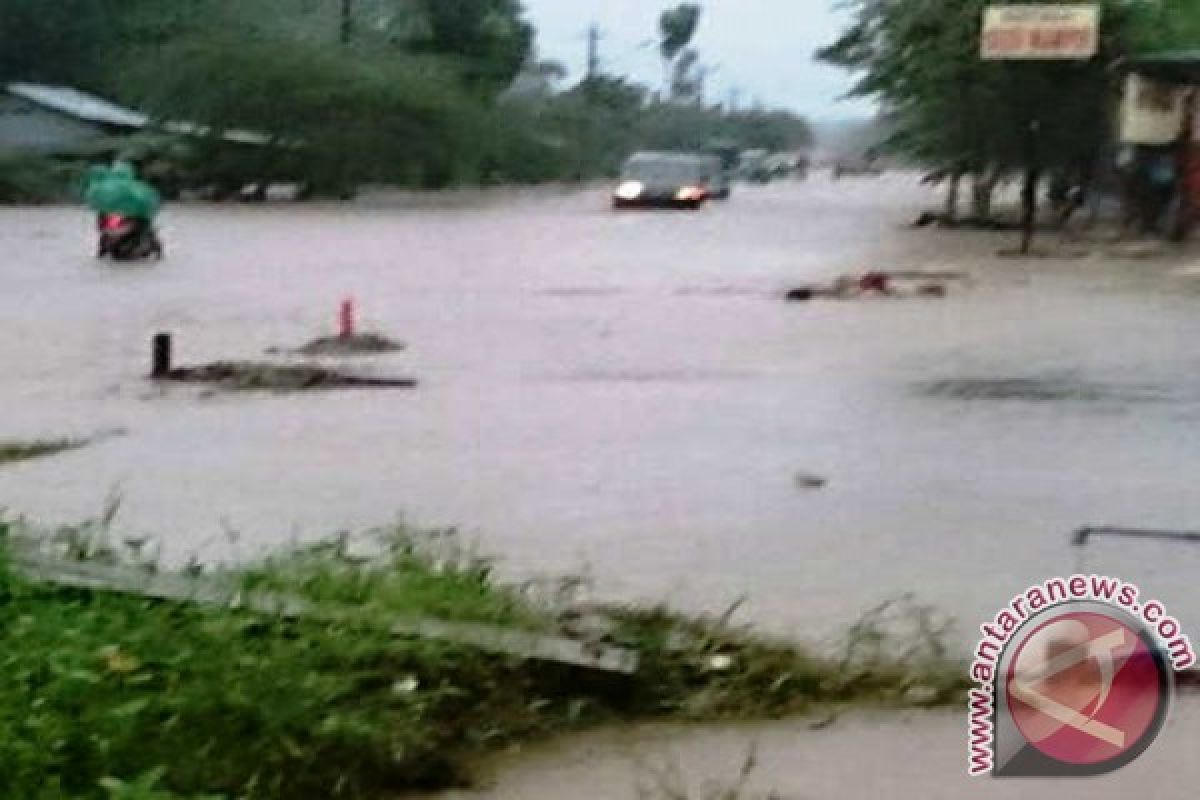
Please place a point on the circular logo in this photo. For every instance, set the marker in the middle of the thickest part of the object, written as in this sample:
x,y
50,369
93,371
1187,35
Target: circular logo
x,y
1088,689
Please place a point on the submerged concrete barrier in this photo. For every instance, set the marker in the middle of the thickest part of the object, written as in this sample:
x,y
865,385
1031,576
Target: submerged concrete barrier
x,y
225,593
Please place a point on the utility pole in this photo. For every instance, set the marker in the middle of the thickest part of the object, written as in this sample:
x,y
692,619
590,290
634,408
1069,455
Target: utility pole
x,y
1185,161
1029,191
347,24
593,54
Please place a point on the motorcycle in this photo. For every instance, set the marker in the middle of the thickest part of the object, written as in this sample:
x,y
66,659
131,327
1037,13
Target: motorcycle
x,y
125,238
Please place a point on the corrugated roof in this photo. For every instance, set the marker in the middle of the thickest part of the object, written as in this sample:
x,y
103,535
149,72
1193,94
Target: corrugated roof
x,y
82,105
79,104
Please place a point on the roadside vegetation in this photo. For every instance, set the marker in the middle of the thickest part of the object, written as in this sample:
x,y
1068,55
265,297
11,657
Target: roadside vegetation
x,y
416,93
29,180
104,695
969,120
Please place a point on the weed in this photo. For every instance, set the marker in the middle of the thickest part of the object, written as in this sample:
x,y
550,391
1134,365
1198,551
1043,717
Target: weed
x,y
116,697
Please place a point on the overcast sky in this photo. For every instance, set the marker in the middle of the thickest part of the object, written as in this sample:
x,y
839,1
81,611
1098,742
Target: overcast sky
x,y
764,48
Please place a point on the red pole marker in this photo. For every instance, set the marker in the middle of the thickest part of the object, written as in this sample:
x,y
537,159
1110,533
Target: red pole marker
x,y
346,321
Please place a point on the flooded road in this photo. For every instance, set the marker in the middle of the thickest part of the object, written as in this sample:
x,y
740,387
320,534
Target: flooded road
x,y
914,755
627,395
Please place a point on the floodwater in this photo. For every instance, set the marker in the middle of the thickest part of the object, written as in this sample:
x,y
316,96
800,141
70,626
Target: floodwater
x,y
626,395
915,756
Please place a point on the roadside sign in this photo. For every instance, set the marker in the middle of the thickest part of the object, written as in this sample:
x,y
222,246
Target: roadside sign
x,y
1041,32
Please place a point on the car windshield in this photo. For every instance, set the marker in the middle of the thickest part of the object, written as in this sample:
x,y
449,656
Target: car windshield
x,y
663,171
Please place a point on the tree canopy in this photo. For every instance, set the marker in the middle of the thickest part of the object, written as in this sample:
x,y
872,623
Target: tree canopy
x,y
422,92
488,40
950,109
677,27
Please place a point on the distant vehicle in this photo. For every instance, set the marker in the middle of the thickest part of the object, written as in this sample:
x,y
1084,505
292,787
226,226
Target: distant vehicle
x,y
802,167
720,180
867,165
669,180
786,165
728,154
753,166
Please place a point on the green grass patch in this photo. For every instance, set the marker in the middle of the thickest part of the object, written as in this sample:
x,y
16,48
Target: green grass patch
x,y
114,696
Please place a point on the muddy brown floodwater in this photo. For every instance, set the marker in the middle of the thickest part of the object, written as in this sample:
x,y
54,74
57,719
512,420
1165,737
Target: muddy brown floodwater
x,y
627,394
912,756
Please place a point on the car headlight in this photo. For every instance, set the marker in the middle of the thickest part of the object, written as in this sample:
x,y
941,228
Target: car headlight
x,y
689,193
630,190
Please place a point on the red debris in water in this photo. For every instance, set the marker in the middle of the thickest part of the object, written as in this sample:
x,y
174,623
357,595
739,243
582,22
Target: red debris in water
x,y
346,319
875,282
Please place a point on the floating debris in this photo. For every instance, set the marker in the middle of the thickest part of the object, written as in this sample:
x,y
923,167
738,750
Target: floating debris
x,y
244,375
807,480
355,344
1042,389
1050,253
1139,251
900,283
13,451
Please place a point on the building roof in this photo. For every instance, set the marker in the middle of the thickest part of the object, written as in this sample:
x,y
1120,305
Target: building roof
x,y
89,107
79,104
1172,66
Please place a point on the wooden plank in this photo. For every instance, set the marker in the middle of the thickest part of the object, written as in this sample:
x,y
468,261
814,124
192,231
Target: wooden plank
x,y
218,593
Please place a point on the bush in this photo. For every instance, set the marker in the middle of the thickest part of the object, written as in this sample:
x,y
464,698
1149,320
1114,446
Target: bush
x,y
29,179
337,116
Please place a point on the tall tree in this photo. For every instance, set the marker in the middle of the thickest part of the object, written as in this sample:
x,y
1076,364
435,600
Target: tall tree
x,y
951,110
1167,25
676,28
488,40
50,42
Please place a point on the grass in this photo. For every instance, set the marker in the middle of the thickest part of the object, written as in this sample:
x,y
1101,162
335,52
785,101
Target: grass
x,y
399,572
117,697
12,452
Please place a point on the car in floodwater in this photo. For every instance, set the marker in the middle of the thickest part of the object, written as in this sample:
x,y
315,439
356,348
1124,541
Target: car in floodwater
x,y
669,180
867,165
753,167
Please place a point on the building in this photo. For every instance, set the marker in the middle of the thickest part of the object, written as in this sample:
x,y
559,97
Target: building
x,y
62,121
56,120
1160,121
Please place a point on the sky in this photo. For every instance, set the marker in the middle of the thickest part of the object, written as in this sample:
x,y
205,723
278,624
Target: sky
x,y
763,49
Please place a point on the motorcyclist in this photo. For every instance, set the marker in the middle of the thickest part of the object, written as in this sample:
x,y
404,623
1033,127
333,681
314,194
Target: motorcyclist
x,y
116,191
